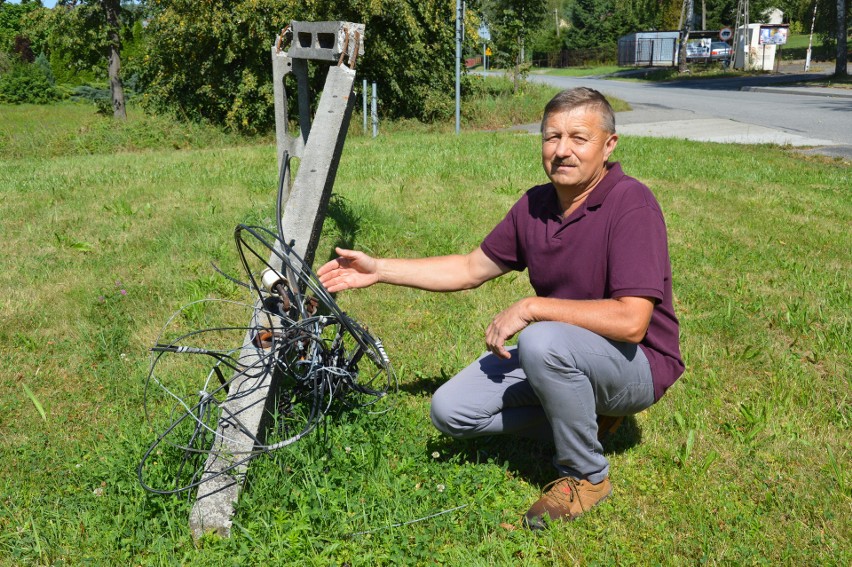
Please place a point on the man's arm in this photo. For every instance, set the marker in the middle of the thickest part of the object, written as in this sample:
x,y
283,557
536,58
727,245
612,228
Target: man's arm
x,y
623,319
353,269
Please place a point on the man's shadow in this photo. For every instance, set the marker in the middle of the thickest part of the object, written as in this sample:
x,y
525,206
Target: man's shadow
x,y
528,458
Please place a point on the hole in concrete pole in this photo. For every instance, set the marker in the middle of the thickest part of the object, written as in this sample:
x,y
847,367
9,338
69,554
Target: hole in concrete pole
x,y
326,40
305,39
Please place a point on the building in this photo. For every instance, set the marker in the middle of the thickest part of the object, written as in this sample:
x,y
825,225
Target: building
x,y
651,48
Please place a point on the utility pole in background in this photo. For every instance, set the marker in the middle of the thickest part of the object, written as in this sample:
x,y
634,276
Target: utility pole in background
x,y
458,64
811,39
742,35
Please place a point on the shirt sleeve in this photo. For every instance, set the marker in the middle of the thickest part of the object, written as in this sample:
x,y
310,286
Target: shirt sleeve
x,y
503,244
638,254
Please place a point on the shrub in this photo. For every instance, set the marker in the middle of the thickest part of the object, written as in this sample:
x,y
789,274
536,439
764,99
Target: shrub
x,y
99,96
210,62
27,83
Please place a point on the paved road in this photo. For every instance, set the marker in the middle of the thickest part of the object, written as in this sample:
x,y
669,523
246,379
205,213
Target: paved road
x,y
750,110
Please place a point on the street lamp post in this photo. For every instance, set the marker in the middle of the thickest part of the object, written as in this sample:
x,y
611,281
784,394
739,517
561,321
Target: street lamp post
x,y
458,64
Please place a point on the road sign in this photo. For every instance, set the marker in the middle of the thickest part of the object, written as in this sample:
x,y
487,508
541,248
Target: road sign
x,y
725,34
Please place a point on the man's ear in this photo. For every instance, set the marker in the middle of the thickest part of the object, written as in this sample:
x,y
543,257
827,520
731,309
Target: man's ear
x,y
609,146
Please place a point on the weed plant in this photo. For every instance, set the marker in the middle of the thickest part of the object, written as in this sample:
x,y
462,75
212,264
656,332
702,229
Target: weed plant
x,y
744,461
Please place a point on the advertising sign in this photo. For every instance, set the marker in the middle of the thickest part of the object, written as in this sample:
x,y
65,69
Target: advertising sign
x,y
698,48
773,35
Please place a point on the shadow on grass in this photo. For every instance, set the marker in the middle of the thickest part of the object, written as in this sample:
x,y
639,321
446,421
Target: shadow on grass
x,y
527,458
424,386
346,220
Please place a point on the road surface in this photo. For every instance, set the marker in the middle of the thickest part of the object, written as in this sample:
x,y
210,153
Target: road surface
x,y
751,110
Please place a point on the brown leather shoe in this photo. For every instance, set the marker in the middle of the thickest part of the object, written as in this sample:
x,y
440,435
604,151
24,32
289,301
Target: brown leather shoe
x,y
566,498
607,426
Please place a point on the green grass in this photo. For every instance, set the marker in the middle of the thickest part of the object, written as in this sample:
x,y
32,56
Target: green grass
x,y
72,128
745,460
580,71
797,48
697,71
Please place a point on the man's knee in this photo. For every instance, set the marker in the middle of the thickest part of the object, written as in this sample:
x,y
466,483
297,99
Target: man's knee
x,y
534,340
543,344
444,414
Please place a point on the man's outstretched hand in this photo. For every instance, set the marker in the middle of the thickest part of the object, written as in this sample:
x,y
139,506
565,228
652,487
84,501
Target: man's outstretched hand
x,y
350,270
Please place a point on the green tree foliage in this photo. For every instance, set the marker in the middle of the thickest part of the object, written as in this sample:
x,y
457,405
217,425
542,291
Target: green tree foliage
x,y
27,83
827,19
596,23
210,61
512,23
12,17
78,35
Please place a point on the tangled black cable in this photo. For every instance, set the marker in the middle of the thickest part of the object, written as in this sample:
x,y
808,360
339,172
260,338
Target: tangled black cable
x,y
298,339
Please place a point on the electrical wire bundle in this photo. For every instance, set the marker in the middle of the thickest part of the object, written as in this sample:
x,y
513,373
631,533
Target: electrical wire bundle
x,y
299,355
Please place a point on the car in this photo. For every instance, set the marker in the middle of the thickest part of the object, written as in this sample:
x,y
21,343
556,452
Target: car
x,y
720,51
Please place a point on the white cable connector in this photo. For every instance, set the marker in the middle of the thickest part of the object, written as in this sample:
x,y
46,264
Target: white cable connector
x,y
270,279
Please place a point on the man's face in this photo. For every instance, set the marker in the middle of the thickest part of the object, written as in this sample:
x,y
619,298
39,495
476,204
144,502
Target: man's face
x,y
574,149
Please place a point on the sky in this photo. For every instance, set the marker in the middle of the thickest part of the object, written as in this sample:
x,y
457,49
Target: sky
x,y
45,3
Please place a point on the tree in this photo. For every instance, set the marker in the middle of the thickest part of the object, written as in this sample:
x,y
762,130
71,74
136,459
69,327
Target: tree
x,y
832,26
687,13
210,61
116,88
12,18
599,23
87,33
512,22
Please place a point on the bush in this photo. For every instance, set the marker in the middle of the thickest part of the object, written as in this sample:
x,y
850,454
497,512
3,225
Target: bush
x,y
99,96
210,62
27,83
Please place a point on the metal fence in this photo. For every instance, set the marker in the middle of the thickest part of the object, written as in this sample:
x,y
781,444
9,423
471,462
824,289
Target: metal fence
x,y
657,51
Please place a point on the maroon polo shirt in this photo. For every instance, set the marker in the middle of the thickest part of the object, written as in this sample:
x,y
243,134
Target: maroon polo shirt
x,y
613,245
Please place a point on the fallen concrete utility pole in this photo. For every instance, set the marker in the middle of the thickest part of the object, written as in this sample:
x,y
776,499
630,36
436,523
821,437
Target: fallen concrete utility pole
x,y
318,145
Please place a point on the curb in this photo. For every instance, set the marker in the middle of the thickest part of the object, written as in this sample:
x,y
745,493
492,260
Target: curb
x,y
807,91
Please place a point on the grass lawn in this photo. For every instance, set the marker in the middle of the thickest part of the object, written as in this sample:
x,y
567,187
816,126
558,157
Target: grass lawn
x,y
579,71
744,461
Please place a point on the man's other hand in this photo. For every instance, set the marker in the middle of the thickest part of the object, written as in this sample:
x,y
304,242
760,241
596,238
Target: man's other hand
x,y
504,326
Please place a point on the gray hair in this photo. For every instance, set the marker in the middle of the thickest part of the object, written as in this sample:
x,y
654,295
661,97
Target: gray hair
x,y
570,99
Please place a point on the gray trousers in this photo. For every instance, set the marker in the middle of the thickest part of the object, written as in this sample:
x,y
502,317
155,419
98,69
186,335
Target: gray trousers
x,y
559,378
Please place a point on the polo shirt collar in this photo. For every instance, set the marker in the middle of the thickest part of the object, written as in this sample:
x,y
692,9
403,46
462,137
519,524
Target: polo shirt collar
x,y
598,194
610,180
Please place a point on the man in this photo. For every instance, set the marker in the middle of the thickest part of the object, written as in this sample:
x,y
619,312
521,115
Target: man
x,y
599,338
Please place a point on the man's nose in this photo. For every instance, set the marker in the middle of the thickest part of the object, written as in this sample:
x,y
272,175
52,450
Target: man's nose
x,y
564,148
